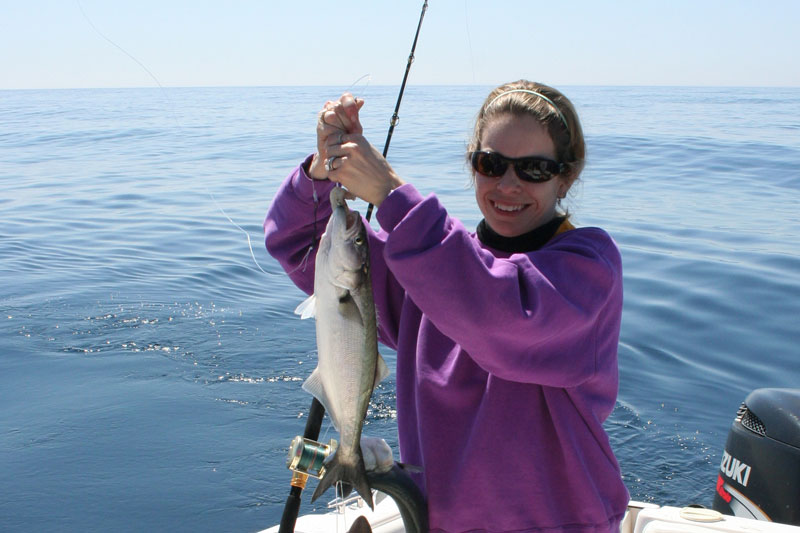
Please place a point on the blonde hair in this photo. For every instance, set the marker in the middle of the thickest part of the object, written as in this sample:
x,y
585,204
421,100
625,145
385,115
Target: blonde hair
x,y
547,105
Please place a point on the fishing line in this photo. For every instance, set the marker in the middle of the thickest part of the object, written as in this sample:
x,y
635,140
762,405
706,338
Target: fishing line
x,y
171,105
118,47
249,242
143,67
304,261
179,125
368,77
469,42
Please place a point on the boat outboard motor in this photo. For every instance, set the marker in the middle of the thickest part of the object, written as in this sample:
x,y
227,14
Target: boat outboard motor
x,y
759,475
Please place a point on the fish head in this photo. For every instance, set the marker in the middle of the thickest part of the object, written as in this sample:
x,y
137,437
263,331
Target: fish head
x,y
348,252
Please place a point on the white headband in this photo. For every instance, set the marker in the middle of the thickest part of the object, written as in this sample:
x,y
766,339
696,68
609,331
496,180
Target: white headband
x,y
540,95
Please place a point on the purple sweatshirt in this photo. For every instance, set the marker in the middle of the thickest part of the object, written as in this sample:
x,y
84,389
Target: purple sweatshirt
x,y
506,363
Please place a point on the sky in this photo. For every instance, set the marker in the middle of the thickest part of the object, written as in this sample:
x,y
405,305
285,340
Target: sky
x,y
146,43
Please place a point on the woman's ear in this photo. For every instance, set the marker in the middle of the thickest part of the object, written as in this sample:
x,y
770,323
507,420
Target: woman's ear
x,y
565,184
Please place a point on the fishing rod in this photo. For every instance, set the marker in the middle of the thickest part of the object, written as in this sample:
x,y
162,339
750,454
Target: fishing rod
x,y
308,455
395,115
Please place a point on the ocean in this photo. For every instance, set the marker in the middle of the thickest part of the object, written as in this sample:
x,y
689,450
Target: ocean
x,y
150,361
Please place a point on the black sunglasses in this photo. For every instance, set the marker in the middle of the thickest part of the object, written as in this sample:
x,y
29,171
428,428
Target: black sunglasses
x,y
531,169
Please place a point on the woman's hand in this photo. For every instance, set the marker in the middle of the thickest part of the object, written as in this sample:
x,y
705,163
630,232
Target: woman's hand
x,y
363,171
335,119
347,157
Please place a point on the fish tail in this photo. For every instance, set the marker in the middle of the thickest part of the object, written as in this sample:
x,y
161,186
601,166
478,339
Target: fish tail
x,y
352,474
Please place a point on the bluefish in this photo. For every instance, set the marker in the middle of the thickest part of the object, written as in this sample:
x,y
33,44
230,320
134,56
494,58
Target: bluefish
x,y
349,366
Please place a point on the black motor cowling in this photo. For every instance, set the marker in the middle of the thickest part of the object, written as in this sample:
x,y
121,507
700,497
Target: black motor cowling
x,y
759,474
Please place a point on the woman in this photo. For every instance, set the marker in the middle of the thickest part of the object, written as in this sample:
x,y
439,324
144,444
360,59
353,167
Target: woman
x,y
506,338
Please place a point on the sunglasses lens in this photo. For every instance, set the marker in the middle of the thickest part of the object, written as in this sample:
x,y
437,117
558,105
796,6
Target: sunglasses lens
x,y
533,169
489,164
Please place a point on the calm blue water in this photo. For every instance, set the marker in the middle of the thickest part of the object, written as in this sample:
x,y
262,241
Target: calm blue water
x,y
150,370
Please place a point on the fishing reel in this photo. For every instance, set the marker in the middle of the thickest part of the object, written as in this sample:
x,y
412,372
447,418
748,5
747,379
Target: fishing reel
x,y
307,458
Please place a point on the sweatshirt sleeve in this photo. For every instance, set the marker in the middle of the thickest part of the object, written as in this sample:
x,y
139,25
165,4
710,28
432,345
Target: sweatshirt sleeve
x,y
293,222
541,317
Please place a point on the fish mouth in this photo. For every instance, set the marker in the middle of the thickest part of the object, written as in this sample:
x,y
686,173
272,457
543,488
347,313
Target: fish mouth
x,y
350,218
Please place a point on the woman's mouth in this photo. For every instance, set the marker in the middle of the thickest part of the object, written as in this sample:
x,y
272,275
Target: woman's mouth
x,y
508,208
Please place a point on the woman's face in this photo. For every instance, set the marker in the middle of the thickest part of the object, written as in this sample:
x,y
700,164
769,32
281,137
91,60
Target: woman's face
x,y
511,206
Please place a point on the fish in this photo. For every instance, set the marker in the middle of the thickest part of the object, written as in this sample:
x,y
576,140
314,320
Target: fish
x,y
349,365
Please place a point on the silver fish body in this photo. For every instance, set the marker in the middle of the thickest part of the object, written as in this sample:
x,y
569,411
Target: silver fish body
x,y
349,366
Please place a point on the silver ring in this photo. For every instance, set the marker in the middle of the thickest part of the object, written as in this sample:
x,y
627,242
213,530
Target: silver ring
x,y
329,163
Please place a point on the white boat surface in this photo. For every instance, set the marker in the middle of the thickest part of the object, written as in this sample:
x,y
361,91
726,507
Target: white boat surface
x,y
640,518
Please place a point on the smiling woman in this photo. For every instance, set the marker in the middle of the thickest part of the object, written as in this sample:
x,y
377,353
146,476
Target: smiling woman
x,y
506,338
534,130
511,204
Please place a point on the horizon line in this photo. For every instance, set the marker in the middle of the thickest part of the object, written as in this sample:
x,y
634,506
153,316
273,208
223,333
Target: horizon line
x,y
137,87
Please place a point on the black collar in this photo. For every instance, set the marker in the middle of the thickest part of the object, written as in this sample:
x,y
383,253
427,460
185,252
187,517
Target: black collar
x,y
527,242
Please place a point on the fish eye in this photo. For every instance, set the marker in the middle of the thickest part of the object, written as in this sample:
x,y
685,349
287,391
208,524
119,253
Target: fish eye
x,y
359,240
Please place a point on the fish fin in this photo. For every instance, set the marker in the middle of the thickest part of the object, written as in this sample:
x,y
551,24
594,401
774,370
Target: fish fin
x,y
307,309
355,475
360,525
381,370
314,386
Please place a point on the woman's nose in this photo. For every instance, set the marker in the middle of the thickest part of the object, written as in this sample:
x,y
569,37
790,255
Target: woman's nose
x,y
509,180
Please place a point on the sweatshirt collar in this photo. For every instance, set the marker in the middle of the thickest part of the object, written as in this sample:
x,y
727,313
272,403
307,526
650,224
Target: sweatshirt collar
x,y
527,242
